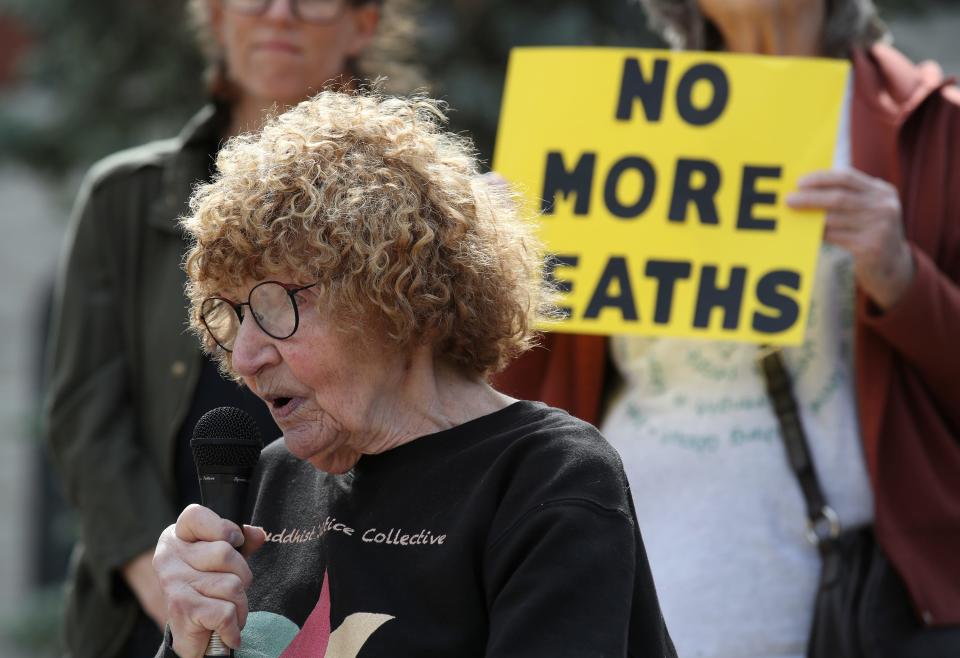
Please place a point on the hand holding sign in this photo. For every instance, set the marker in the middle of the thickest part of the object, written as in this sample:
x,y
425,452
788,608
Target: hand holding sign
x,y
863,217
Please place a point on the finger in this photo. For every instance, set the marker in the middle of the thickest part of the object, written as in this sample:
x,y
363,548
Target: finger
x,y
840,238
225,587
193,616
198,523
844,221
220,616
168,559
850,179
217,557
223,616
834,198
254,538
190,643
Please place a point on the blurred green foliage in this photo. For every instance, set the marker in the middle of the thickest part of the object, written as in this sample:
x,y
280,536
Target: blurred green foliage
x,y
107,74
111,73
103,74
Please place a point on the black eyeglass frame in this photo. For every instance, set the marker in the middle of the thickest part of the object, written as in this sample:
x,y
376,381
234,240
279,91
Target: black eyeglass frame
x,y
238,309
294,9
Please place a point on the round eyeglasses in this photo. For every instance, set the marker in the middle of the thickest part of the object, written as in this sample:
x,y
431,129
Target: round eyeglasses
x,y
312,11
273,306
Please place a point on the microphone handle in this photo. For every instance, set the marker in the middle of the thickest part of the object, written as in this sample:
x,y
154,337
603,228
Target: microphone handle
x,y
225,494
216,648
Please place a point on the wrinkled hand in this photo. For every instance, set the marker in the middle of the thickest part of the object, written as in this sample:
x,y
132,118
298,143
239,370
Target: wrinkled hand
x,y
863,217
204,579
142,580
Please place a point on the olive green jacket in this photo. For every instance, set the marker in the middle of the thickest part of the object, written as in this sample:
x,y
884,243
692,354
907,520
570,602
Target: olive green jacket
x,y
124,369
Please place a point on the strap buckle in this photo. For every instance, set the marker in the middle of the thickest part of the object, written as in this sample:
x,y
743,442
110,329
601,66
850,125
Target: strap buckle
x,y
825,525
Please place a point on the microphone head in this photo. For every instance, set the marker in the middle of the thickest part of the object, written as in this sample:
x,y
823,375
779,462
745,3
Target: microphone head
x,y
226,436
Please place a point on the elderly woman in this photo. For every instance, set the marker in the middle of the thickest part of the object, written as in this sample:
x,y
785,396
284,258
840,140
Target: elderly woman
x,y
877,380
353,270
127,383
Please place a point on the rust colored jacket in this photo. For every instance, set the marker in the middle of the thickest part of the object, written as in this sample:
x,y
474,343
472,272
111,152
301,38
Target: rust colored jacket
x,y
906,129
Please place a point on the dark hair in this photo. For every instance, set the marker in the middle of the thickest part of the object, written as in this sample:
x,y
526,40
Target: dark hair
x,y
848,24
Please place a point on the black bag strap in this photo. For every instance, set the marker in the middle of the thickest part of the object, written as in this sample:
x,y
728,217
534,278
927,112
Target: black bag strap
x,y
822,521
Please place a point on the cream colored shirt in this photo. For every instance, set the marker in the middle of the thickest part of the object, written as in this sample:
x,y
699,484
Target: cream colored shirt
x,y
721,514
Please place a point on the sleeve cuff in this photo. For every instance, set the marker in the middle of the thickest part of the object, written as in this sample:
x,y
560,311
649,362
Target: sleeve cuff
x,y
900,319
921,326
106,568
166,649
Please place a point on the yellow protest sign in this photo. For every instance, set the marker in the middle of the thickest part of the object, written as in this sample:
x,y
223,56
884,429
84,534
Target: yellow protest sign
x,y
661,180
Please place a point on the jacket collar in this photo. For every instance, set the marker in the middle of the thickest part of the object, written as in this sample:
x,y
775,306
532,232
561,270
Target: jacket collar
x,y
890,87
190,163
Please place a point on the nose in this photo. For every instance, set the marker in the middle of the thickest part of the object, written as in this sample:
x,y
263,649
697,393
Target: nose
x,y
280,10
253,350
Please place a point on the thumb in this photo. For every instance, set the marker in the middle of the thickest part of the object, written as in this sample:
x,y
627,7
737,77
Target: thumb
x,y
253,538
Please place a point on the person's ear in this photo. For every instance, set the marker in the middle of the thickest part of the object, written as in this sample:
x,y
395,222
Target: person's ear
x,y
365,20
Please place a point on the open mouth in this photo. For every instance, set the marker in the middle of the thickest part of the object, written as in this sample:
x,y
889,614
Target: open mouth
x,y
282,407
280,403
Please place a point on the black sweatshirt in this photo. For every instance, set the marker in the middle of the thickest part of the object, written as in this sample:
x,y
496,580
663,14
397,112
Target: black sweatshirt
x,y
510,535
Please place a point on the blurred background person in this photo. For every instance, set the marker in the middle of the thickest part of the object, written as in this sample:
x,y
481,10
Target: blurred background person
x,y
877,379
353,268
127,382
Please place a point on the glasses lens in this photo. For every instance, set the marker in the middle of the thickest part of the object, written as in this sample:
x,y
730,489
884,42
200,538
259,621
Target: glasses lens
x,y
221,321
319,10
273,308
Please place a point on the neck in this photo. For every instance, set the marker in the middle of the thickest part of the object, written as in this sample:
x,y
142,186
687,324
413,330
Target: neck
x,y
248,115
793,31
432,397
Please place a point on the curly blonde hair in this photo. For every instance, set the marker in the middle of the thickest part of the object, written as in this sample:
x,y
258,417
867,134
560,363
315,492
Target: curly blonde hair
x,y
369,196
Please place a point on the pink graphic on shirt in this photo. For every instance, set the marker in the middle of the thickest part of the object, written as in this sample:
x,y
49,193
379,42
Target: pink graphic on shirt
x,y
315,639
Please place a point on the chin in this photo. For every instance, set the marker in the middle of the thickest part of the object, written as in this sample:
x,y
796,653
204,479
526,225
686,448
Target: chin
x,y
334,464
309,449
301,447
288,92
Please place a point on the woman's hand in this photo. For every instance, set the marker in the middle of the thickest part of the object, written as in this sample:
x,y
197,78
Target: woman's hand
x,y
204,579
863,217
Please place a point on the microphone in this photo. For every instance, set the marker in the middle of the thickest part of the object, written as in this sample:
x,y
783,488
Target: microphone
x,y
226,446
